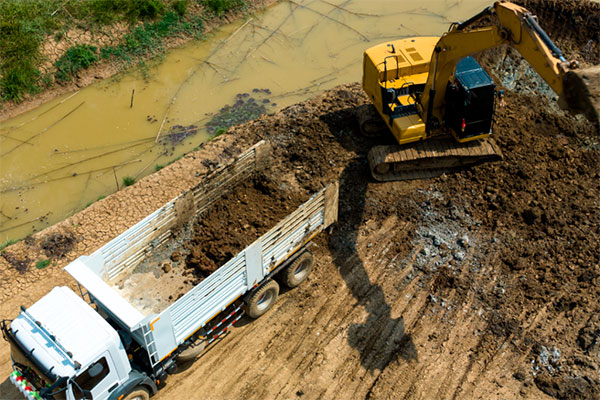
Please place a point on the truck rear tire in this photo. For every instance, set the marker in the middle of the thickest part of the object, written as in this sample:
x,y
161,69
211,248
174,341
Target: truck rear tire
x,y
139,393
262,300
298,270
191,353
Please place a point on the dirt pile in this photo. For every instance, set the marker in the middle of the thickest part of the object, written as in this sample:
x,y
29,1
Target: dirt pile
x,y
236,220
537,220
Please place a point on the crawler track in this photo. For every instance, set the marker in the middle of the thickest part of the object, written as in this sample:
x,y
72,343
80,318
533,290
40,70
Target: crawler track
x,y
428,159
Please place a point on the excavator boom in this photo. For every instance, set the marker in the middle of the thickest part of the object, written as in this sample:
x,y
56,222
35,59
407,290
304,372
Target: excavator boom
x,y
519,29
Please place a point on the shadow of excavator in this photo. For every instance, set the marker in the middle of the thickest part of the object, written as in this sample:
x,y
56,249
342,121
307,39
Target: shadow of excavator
x,y
380,339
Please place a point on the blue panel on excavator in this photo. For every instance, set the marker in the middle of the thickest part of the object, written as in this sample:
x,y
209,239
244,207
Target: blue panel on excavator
x,y
470,74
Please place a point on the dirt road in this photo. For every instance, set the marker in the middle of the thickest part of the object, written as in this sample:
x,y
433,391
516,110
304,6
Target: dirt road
x,y
476,285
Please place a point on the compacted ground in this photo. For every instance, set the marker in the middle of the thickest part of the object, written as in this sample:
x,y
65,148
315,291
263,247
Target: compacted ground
x,y
478,284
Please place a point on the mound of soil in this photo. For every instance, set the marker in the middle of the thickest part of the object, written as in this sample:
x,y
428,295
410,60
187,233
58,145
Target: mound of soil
x,y
58,245
538,212
237,220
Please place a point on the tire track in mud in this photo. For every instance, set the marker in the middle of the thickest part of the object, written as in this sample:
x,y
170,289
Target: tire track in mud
x,y
423,326
478,352
411,301
336,318
340,319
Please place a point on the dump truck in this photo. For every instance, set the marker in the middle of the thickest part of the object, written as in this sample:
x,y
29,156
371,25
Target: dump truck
x,y
101,344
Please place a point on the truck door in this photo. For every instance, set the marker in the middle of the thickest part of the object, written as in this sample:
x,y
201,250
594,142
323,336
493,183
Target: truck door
x,y
97,380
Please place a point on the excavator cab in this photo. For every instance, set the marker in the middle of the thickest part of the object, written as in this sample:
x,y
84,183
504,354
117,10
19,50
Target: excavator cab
x,y
470,102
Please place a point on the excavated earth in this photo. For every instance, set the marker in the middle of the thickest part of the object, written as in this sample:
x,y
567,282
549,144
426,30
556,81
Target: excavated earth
x,y
479,284
236,220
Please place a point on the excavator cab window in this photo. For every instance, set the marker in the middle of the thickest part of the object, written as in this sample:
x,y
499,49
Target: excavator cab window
x,y
470,100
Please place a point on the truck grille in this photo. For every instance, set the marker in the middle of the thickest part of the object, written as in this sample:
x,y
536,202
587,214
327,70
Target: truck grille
x,y
28,390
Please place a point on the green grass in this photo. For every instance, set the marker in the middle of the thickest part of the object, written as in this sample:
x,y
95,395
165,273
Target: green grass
x,y
7,243
26,24
180,7
75,58
147,38
221,6
41,264
220,131
128,180
19,55
158,167
175,159
92,202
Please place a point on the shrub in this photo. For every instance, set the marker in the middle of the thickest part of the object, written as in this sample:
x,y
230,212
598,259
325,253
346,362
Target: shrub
x,y
221,6
76,58
105,11
42,264
145,9
19,57
180,7
18,79
128,180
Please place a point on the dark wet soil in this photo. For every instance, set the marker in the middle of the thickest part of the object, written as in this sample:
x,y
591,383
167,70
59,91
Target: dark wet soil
x,y
237,220
58,245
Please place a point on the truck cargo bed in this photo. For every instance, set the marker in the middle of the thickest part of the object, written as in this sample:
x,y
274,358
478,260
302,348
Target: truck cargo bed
x,y
206,243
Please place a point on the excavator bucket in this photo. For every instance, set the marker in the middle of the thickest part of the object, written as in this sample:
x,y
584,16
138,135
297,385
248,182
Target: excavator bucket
x,y
581,91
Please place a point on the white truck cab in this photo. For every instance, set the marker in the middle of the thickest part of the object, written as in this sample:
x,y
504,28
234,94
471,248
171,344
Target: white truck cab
x,y
62,348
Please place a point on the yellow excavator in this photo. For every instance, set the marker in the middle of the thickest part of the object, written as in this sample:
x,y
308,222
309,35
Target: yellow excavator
x,y
438,102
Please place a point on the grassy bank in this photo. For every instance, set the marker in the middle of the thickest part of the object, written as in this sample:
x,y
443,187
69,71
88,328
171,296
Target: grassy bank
x,y
139,29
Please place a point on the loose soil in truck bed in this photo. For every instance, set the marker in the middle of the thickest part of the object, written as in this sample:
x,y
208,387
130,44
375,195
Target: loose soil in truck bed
x,y
197,249
481,284
236,221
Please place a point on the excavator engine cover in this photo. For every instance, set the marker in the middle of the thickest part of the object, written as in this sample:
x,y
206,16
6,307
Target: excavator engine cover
x,y
470,101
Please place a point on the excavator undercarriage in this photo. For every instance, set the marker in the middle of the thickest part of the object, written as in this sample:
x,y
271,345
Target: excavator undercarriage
x,y
428,159
423,159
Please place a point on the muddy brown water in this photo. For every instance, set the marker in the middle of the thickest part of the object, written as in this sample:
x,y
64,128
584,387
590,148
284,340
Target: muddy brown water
x,y
60,157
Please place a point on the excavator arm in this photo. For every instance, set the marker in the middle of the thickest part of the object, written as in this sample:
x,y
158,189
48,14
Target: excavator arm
x,y
517,28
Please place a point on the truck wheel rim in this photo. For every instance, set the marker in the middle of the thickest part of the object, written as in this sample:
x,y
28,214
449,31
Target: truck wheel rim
x,y
264,301
300,270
